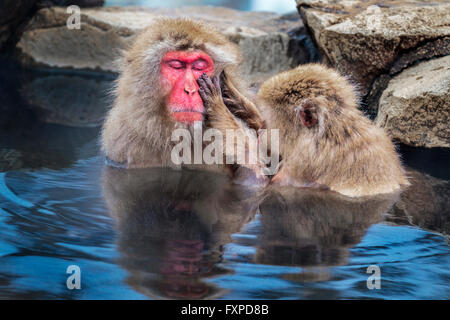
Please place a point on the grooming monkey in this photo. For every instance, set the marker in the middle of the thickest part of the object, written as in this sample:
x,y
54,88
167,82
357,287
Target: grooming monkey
x,y
325,141
157,92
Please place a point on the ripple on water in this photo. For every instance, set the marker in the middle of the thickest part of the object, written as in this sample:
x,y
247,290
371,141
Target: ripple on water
x,y
175,245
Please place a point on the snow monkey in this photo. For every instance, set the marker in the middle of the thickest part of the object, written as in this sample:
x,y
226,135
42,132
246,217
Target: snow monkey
x,y
325,141
157,92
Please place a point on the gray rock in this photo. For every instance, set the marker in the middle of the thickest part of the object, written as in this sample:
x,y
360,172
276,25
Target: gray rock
x,y
364,38
431,49
269,42
14,12
70,100
415,107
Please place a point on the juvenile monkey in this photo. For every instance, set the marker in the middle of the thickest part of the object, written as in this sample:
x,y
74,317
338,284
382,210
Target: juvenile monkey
x,y
325,141
157,92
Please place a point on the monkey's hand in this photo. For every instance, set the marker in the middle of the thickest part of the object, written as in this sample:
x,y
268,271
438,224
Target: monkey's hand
x,y
221,118
209,91
218,115
239,105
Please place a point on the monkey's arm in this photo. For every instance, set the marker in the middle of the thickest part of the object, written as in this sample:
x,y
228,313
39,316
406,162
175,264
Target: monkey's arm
x,y
221,118
218,115
239,105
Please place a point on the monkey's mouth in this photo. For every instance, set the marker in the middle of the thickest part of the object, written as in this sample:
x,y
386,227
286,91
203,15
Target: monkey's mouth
x,y
187,115
188,111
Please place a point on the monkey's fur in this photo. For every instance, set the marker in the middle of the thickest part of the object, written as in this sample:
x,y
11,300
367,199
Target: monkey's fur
x,y
340,148
137,131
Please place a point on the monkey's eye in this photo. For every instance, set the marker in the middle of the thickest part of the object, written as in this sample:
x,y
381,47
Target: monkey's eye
x,y
175,64
200,65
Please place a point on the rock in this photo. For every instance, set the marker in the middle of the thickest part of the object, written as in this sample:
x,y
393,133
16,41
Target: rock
x,y
46,146
378,45
372,98
415,106
71,100
364,38
436,48
80,3
26,143
270,42
14,12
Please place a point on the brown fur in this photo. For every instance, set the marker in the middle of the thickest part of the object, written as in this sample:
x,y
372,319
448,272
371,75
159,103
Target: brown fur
x,y
344,151
227,110
138,129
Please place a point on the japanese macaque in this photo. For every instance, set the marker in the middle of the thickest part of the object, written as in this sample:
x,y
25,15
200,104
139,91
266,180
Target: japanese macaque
x,y
158,92
325,141
173,226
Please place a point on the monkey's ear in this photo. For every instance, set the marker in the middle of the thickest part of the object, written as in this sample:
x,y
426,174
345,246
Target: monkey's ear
x,y
307,113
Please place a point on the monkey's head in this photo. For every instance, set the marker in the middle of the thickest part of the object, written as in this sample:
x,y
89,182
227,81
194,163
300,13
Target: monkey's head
x,y
162,67
310,97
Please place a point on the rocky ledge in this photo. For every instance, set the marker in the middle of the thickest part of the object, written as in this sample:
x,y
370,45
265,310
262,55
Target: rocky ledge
x,y
375,44
14,13
270,42
414,108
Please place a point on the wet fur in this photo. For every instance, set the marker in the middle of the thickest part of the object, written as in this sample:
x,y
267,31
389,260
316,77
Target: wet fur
x,y
345,151
137,130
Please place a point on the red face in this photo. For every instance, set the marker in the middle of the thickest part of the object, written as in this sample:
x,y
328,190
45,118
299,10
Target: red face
x,y
180,70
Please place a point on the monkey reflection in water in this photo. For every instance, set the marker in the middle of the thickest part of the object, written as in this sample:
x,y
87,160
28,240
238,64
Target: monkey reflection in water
x,y
173,225
314,229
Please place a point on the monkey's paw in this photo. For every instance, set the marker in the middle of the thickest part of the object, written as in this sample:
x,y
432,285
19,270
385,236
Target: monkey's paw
x,y
210,91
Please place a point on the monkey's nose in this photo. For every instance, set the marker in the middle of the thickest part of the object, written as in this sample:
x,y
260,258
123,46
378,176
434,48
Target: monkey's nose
x,y
190,86
190,91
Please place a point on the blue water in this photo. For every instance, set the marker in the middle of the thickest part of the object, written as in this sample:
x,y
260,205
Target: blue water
x,y
168,234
